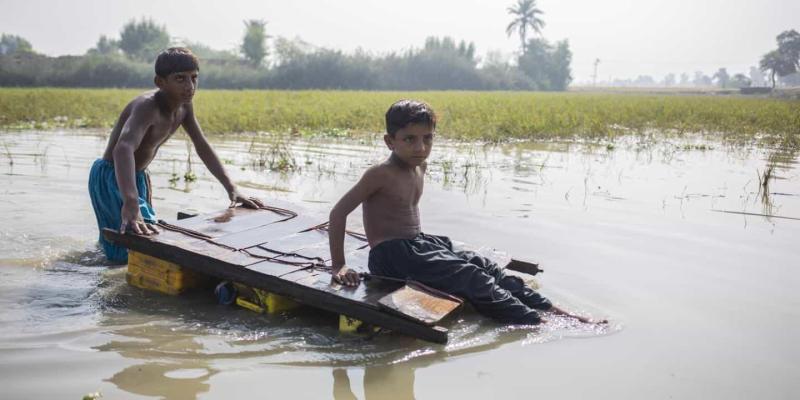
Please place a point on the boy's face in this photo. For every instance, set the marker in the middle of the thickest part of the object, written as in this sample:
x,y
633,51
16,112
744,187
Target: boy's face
x,y
179,86
412,143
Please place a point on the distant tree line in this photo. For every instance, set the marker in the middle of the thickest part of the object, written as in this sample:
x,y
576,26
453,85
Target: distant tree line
x,y
261,62
781,65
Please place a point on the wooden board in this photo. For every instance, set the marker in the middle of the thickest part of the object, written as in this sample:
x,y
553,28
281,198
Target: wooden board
x,y
229,220
313,287
419,304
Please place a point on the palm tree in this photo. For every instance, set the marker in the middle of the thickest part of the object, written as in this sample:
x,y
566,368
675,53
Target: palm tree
x,y
254,46
525,16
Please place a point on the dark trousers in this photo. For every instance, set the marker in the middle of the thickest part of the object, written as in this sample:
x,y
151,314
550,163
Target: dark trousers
x,y
430,260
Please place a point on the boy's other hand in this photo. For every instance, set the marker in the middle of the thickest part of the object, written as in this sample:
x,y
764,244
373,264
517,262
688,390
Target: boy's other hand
x,y
346,276
133,219
249,202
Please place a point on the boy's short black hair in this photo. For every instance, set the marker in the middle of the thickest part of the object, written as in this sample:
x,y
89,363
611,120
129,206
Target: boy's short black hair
x,y
176,59
405,112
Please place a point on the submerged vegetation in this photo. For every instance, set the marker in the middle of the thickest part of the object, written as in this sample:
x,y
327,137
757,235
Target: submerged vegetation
x,y
486,116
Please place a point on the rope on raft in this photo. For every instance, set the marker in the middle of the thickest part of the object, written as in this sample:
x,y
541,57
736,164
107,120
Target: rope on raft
x,y
315,263
312,263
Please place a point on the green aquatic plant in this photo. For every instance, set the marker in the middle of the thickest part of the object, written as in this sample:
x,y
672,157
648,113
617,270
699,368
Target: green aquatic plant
x,y
92,396
472,116
8,154
277,156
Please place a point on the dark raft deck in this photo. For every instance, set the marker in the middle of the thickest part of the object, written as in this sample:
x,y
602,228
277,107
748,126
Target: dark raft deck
x,y
287,254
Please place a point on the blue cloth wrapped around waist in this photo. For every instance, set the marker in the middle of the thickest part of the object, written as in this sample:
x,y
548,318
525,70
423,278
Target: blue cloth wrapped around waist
x,y
107,204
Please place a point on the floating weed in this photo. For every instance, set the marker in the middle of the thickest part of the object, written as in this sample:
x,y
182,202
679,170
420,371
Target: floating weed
x,y
92,396
699,147
277,156
189,175
763,189
447,167
8,154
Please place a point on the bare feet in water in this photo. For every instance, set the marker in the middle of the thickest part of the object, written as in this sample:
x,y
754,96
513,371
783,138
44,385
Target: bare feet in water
x,y
585,320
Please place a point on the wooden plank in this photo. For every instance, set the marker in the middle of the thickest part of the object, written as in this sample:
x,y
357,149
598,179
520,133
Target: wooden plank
x,y
265,233
273,268
176,238
523,266
295,241
322,249
221,253
368,292
186,215
228,221
343,301
416,302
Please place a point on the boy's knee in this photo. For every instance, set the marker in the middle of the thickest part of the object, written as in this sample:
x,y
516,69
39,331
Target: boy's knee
x,y
512,283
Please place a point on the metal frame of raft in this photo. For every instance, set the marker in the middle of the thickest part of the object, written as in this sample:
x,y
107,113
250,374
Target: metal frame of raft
x,y
230,245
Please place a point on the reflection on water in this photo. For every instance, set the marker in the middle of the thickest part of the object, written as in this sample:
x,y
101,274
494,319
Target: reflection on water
x,y
166,380
779,162
380,382
57,291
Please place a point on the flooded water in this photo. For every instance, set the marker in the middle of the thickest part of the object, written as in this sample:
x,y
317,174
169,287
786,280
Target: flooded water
x,y
688,247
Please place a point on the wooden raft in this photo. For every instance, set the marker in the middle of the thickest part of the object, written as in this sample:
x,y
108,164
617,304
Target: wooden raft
x,y
266,250
233,247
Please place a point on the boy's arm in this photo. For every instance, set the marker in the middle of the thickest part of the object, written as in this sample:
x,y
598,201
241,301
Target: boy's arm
x,y
125,168
366,187
210,159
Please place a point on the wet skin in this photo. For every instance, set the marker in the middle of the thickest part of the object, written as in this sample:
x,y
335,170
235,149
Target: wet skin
x,y
144,125
389,194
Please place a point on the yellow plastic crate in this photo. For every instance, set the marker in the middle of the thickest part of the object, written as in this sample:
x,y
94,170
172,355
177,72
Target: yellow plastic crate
x,y
351,325
148,272
149,283
262,301
348,325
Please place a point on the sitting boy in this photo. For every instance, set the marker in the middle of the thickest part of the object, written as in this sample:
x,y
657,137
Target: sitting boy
x,y
389,194
119,184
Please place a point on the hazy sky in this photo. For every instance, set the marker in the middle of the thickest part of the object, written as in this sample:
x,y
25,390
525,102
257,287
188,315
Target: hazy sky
x,y
630,37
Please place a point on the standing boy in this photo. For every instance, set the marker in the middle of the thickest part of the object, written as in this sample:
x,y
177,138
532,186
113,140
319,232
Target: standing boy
x,y
389,194
119,184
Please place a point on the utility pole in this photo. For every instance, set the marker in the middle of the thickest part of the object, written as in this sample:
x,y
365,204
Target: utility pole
x,y
594,76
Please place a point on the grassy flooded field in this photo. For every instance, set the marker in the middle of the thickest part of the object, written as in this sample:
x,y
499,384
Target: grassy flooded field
x,y
675,217
485,116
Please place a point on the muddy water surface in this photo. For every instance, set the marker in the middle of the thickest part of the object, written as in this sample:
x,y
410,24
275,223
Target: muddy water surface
x,y
668,241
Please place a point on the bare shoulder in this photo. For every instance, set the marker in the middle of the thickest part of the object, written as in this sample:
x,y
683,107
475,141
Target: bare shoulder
x,y
188,113
377,173
144,105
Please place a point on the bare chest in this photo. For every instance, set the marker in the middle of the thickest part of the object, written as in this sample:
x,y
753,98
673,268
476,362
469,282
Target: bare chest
x,y
161,130
404,190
